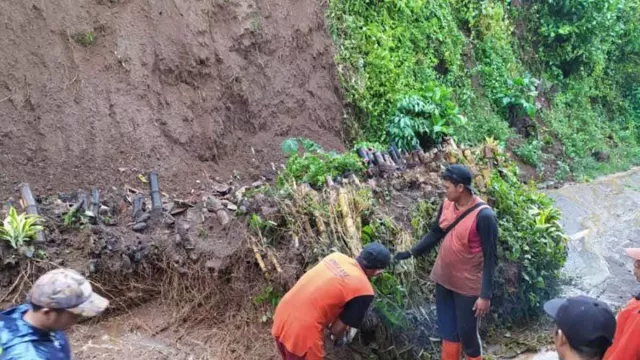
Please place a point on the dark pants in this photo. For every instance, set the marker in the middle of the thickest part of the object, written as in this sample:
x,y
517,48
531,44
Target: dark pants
x,y
457,321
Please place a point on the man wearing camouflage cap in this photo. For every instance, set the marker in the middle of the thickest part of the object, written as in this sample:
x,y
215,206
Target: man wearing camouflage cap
x,y
58,299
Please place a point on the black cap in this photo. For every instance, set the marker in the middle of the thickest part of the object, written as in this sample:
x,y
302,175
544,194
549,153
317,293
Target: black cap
x,y
375,256
459,174
584,321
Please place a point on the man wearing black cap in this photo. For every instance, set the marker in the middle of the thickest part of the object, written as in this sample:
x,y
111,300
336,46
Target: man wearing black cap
x,y
336,293
465,265
584,327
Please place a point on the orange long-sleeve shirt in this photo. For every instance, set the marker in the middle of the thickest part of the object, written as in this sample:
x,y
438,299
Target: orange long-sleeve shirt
x,y
626,342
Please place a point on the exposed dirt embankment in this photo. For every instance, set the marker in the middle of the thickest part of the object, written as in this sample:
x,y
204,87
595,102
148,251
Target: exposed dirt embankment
x,y
183,87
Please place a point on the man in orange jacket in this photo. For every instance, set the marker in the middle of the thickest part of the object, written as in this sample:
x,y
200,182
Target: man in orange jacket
x,y
626,342
335,293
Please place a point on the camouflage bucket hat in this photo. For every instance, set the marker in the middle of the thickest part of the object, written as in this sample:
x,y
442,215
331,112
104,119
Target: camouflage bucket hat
x,y
67,289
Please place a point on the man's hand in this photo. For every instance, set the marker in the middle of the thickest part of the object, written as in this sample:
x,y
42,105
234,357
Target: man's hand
x,y
481,307
403,255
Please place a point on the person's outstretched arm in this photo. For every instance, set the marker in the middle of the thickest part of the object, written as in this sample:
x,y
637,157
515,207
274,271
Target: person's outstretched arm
x,y
427,242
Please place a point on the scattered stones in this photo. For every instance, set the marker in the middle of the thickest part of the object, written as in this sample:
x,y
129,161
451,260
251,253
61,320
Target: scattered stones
x,y
104,210
139,227
231,206
92,265
240,193
126,262
223,217
211,264
213,204
168,220
268,211
143,218
222,189
257,184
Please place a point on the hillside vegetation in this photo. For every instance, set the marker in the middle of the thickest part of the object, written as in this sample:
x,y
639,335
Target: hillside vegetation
x,y
556,82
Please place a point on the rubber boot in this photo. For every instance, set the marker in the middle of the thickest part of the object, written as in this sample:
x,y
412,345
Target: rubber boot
x,y
451,350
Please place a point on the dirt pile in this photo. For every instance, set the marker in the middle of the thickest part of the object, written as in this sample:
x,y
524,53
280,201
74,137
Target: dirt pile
x,y
94,92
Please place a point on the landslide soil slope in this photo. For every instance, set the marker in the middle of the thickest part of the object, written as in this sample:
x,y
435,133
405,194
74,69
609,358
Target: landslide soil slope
x,y
187,88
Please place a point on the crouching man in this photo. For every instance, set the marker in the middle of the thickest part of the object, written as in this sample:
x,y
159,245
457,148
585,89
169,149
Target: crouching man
x,y
35,330
334,294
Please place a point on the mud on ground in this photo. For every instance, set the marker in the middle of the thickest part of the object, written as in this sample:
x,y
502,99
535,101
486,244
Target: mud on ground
x,y
186,88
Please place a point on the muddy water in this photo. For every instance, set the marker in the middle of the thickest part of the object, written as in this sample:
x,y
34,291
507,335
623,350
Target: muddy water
x,y
601,218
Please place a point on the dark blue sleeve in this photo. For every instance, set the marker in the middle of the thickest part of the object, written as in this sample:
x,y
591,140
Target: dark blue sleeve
x,y
487,227
431,239
355,310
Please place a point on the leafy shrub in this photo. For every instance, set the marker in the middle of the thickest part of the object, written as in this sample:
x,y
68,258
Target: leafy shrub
x,y
530,152
314,165
387,50
520,96
576,35
532,246
424,120
18,230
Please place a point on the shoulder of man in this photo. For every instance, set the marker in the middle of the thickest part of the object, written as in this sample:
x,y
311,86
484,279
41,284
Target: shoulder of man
x,y
35,350
18,341
486,213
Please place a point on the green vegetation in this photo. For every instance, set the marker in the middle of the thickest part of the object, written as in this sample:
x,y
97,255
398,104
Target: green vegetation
x,y
424,121
267,300
564,73
314,164
87,38
532,247
19,229
75,218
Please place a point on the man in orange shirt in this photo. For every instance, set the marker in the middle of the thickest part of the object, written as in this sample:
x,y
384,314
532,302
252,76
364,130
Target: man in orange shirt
x,y
467,230
335,293
626,342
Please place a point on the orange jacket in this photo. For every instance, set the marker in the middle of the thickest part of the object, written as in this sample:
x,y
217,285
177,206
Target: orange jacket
x,y
626,341
316,301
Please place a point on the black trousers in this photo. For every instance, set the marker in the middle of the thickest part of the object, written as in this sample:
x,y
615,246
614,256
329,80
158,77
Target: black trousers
x,y
457,321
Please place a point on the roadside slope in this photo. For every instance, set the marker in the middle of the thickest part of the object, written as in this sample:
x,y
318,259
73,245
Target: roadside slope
x,y
186,88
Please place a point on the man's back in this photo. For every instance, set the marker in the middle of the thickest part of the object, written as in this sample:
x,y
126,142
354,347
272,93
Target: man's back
x,y
316,300
21,341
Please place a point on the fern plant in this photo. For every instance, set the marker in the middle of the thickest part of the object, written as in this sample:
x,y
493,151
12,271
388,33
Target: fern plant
x,y
18,229
424,120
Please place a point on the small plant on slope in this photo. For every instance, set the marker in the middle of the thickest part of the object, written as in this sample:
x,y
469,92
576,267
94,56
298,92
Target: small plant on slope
x,y
18,230
85,38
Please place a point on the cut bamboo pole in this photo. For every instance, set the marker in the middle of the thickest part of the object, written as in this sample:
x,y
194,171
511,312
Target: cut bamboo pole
x,y
31,208
137,206
95,204
261,263
274,261
154,189
349,225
